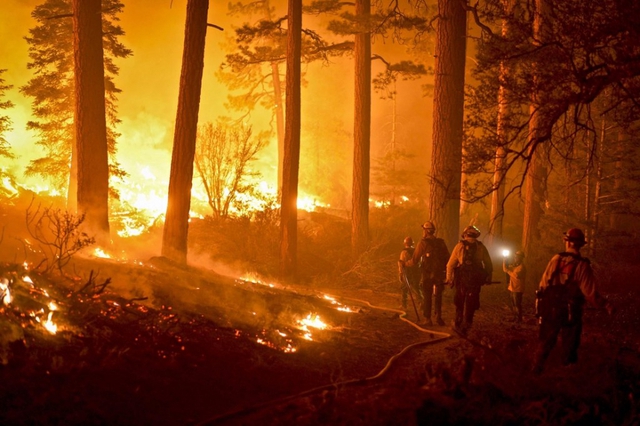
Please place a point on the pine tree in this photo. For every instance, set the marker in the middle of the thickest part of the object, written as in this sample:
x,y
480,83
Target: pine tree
x,y
52,88
448,106
90,118
5,120
291,160
175,231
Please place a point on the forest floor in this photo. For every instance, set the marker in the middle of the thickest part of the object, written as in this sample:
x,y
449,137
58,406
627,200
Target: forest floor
x,y
157,344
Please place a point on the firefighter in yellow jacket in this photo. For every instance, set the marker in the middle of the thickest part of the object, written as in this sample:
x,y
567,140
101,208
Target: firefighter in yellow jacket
x,y
468,269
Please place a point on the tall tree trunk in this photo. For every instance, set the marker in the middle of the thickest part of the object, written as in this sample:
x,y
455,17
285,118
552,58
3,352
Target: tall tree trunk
x,y
536,179
497,197
175,232
90,124
291,160
361,134
448,105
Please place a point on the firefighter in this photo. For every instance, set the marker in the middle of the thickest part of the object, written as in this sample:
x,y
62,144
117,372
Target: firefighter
x,y
517,274
468,269
412,273
431,254
566,284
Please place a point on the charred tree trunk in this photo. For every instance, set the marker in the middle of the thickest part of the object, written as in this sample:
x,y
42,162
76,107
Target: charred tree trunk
x,y
448,104
90,124
536,179
361,134
291,160
497,197
175,232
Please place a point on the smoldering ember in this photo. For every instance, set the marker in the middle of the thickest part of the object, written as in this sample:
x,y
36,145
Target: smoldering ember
x,y
319,213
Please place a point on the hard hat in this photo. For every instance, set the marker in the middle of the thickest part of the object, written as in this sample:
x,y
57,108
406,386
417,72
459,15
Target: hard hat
x,y
575,236
408,241
471,231
429,225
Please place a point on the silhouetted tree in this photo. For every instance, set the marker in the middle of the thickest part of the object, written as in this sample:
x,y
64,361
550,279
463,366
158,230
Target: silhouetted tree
x,y
5,120
361,132
90,121
448,110
291,160
175,232
52,89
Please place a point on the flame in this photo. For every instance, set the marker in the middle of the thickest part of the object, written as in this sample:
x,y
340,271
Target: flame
x,y
98,252
5,292
313,320
53,306
49,325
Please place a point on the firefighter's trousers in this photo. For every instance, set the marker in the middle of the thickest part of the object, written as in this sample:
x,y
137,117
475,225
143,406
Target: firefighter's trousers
x,y
466,301
432,293
570,339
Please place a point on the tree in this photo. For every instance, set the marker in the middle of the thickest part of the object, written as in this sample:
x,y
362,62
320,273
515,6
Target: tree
x,y
253,68
291,160
497,198
90,120
175,231
587,49
257,71
361,133
5,120
222,158
448,107
52,89
536,179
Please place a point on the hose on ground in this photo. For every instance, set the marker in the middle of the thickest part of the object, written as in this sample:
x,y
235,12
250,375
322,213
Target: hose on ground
x,y
385,369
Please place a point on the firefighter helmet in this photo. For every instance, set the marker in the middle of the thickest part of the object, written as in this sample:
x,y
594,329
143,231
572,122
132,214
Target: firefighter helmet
x,y
575,236
429,226
408,242
471,232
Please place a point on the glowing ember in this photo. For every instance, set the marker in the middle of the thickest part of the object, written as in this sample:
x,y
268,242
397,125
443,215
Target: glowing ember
x,y
5,293
27,279
340,307
53,306
252,278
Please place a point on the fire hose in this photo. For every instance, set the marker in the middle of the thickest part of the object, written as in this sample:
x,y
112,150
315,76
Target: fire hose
x,y
385,369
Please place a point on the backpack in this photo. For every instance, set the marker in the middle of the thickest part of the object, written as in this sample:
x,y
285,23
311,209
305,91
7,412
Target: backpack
x,y
562,301
471,270
432,262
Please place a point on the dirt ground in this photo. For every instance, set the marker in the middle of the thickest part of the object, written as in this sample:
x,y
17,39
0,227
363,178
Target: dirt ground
x,y
164,345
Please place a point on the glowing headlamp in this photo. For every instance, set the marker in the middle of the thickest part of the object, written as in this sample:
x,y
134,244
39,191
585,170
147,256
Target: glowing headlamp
x,y
505,253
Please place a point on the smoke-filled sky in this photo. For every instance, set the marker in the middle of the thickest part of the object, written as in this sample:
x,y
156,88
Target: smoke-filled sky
x,y
149,81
